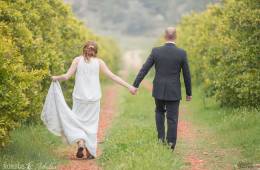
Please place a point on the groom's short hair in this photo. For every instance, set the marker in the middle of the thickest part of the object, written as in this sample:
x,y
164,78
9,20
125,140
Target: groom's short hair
x,y
170,33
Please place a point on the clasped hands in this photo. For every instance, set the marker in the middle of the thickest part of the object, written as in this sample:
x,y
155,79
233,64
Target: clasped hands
x,y
132,90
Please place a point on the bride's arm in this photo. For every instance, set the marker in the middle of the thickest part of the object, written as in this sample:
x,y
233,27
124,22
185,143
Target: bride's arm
x,y
71,71
111,75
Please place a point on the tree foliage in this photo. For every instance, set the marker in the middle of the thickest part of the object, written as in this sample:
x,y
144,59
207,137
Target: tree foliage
x,y
223,47
38,39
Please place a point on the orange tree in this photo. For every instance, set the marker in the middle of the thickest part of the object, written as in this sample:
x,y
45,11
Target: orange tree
x,y
222,43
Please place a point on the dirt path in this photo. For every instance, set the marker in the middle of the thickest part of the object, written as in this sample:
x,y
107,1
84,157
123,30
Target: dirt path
x,y
131,61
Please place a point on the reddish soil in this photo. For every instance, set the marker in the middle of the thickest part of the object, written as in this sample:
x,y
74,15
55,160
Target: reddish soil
x,y
108,110
187,132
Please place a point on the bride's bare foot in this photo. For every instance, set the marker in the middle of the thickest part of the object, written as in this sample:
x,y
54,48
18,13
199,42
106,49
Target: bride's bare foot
x,y
80,149
80,152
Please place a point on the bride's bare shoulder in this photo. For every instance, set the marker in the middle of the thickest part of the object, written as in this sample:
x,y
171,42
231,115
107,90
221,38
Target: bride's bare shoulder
x,y
76,59
101,61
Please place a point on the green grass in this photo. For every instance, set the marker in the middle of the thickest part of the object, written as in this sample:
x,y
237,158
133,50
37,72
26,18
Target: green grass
x,y
32,147
131,142
233,128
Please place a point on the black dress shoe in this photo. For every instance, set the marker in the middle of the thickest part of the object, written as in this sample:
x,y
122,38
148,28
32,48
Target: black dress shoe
x,y
171,145
80,152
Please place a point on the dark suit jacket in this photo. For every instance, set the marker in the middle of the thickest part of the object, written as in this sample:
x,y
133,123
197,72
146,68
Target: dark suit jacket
x,y
169,60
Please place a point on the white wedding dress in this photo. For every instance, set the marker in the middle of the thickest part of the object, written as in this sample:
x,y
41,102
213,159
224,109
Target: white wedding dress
x,y
82,121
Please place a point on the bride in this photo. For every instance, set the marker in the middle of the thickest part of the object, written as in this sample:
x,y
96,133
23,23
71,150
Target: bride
x,y
86,97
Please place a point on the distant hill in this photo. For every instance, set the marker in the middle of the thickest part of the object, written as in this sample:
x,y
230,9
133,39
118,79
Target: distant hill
x,y
134,17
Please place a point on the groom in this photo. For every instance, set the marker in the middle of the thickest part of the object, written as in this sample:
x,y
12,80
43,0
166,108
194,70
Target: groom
x,y
169,61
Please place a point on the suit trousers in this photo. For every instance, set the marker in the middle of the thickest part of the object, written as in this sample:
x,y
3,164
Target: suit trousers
x,y
172,110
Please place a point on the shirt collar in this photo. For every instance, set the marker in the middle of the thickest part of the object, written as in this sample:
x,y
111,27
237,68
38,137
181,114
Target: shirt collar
x,y
170,42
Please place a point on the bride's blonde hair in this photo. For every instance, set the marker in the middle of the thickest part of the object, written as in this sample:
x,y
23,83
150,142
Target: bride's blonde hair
x,y
90,45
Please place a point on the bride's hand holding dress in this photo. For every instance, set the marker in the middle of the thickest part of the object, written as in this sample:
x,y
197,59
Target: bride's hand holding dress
x,y
71,71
